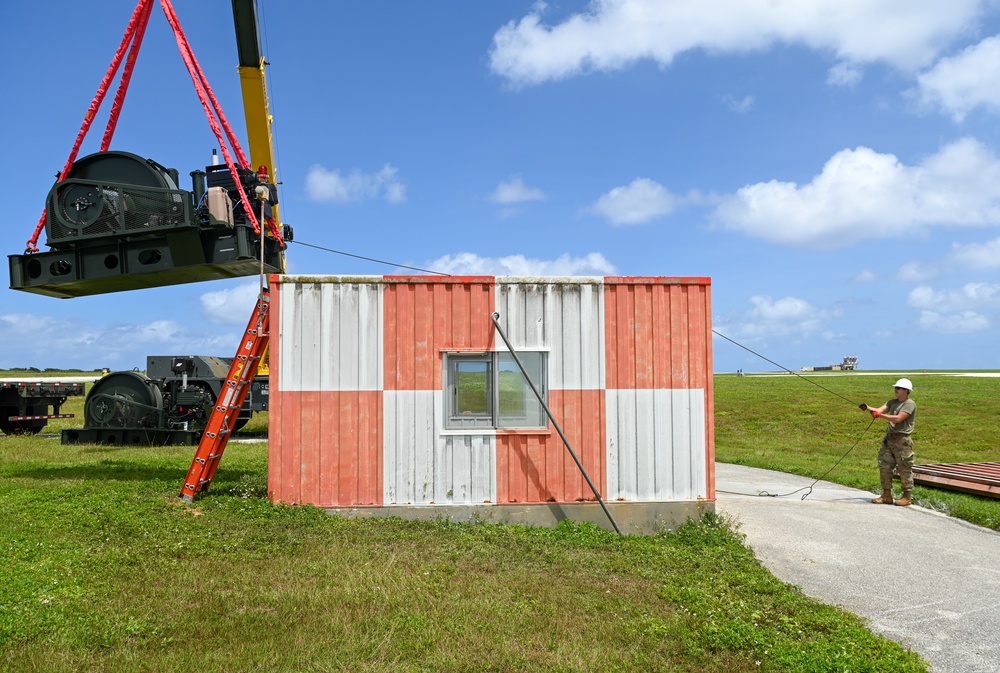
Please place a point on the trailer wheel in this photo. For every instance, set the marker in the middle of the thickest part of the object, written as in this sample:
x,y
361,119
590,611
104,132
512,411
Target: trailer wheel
x,y
21,427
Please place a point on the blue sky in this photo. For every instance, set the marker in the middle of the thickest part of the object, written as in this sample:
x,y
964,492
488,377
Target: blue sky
x,y
832,165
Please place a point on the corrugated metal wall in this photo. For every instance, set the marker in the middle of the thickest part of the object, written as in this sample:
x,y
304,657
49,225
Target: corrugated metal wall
x,y
357,413
325,435
659,383
564,318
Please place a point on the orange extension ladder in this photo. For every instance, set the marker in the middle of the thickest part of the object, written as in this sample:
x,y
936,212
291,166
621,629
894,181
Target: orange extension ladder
x,y
227,407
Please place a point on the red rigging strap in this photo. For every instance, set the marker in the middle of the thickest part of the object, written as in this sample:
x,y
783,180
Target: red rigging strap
x,y
208,103
141,9
212,110
134,34
116,106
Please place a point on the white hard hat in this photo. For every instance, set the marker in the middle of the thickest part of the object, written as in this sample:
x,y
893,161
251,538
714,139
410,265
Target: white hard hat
x,y
904,383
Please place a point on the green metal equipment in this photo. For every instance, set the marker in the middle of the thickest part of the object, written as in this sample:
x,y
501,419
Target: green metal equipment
x,y
120,222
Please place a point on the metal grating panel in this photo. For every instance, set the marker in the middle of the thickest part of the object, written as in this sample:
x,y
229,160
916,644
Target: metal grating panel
x,y
84,210
976,478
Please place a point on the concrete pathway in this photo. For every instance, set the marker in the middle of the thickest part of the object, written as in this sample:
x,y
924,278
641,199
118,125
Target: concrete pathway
x,y
923,579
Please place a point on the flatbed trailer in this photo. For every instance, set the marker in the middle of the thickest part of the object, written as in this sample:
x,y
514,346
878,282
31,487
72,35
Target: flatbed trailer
x,y
26,405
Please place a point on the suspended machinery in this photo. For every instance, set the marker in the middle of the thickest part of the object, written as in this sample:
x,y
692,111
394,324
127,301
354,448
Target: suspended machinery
x,y
116,221
120,222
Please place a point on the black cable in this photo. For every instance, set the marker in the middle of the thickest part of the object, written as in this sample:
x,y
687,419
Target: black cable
x,y
370,259
780,367
808,489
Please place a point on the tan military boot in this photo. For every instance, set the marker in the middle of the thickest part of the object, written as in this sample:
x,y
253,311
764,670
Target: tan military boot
x,y
885,499
905,500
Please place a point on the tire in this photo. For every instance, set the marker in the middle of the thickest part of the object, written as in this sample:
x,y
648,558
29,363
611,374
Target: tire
x,y
21,427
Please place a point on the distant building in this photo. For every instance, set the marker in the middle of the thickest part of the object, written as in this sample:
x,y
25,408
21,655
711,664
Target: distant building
x,y
850,363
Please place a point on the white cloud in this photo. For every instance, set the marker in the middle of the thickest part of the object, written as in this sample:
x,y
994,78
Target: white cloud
x,y
917,272
960,83
781,317
470,264
861,194
330,186
956,323
636,203
232,306
969,296
515,191
613,34
845,74
865,276
979,256
741,105
79,344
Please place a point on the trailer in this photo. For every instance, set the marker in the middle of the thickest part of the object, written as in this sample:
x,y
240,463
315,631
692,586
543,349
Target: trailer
x,y
26,405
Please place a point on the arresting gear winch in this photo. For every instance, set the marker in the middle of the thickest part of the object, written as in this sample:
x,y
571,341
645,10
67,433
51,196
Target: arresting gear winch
x,y
115,221
120,222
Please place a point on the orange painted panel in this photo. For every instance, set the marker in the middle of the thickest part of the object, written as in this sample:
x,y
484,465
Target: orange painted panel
x,y
426,316
657,334
534,467
327,448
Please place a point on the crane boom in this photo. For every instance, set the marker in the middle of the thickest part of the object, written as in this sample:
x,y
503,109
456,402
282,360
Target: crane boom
x,y
253,81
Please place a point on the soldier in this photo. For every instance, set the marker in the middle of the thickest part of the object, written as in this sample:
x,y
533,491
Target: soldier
x,y
267,196
897,445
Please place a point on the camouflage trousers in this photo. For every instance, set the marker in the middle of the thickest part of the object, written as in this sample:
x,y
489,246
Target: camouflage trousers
x,y
896,452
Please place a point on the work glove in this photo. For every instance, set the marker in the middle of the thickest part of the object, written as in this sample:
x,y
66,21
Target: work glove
x,y
876,413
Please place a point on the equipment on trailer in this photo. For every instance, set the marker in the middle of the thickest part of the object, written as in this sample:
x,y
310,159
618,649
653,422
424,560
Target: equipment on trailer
x,y
24,405
170,404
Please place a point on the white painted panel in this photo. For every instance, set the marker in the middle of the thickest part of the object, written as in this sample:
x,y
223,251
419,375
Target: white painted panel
x,y
469,469
578,344
299,342
331,336
656,445
612,458
671,418
424,435
522,311
592,346
563,316
397,460
424,466
649,431
697,479
329,328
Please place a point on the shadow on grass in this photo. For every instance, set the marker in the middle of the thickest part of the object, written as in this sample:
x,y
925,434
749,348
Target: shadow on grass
x,y
109,470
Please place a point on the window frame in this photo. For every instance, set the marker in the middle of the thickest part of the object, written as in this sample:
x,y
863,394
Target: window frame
x,y
494,418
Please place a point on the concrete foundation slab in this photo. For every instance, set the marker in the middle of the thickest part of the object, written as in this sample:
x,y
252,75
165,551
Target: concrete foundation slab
x,y
633,518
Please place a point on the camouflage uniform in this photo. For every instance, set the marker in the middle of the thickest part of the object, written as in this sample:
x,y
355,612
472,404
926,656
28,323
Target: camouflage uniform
x,y
897,446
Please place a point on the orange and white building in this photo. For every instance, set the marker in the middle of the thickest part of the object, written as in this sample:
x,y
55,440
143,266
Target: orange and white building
x,y
396,395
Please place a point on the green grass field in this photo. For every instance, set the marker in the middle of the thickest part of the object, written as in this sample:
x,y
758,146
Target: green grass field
x,y
104,569
784,422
